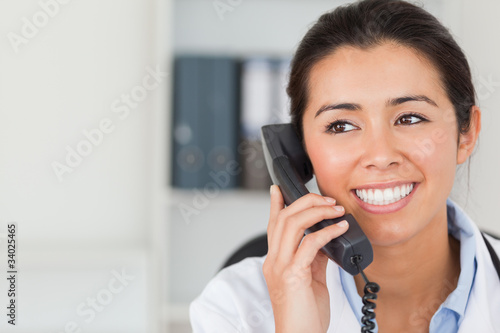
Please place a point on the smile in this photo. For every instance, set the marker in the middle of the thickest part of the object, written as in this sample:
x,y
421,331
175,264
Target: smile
x,y
385,196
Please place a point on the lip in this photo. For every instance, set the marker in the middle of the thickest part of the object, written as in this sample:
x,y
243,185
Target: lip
x,y
385,209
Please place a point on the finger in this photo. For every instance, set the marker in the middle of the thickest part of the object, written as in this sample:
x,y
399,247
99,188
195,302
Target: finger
x,y
313,242
307,201
296,225
279,224
318,267
277,204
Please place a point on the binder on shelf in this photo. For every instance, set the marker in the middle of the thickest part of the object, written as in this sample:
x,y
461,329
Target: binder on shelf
x,y
264,101
282,101
205,122
256,96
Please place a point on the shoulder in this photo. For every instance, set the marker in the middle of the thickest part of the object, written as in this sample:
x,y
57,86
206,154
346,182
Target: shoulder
x,y
244,276
484,298
235,300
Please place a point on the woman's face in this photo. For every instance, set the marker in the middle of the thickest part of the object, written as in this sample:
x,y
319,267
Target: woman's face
x,y
377,126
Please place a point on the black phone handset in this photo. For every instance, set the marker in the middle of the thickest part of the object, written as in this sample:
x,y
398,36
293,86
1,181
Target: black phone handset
x,y
290,169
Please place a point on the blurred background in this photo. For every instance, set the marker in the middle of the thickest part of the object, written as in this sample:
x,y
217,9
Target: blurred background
x,y
129,153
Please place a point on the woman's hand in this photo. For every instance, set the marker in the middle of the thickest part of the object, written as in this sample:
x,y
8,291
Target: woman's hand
x,y
295,271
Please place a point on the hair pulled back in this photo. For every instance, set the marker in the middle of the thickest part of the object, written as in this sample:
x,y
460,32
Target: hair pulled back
x,y
369,23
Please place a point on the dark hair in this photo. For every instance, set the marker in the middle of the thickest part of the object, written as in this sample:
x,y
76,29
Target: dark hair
x,y
370,23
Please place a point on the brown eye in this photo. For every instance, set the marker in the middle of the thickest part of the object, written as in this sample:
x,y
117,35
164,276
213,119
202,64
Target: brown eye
x,y
338,127
410,119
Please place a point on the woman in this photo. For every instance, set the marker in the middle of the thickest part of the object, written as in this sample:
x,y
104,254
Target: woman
x,y
382,98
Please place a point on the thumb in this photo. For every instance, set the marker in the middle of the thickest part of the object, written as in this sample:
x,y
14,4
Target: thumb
x,y
277,204
318,267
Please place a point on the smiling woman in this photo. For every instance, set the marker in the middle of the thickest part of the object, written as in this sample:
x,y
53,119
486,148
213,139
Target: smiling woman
x,y
383,102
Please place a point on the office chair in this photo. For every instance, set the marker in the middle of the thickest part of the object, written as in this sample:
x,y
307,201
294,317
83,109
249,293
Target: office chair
x,y
256,247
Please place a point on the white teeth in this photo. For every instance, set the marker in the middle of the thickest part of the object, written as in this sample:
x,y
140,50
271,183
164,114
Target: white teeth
x,y
385,196
388,194
397,192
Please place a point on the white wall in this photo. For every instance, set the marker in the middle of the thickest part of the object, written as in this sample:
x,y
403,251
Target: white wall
x,y
62,82
480,29
74,61
261,27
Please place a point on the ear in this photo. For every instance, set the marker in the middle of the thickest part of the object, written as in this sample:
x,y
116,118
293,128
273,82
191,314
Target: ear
x,y
468,140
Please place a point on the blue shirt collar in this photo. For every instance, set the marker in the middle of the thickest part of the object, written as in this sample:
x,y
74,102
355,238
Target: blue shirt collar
x,y
460,226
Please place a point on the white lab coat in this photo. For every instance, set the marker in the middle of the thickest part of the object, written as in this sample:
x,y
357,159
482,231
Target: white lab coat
x,y
237,299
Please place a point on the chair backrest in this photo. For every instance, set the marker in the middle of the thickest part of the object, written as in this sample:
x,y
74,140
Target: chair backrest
x,y
256,247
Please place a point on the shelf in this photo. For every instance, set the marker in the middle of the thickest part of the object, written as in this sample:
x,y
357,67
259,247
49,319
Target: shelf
x,y
176,196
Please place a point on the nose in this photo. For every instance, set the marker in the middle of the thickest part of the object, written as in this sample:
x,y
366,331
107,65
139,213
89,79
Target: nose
x,y
382,150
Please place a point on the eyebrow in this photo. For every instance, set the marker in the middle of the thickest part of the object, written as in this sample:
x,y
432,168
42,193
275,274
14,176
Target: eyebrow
x,y
391,102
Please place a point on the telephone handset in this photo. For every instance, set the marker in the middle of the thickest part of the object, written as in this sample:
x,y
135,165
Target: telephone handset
x,y
290,168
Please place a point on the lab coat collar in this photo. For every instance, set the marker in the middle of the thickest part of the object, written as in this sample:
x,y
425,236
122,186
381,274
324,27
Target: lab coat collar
x,y
483,310
342,318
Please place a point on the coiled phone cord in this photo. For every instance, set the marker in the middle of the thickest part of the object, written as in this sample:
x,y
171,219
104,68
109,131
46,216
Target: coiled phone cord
x,y
371,289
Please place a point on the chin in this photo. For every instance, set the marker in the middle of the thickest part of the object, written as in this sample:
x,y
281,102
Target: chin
x,y
388,234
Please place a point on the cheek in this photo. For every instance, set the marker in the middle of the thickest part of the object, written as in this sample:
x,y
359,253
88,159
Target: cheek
x,y
433,157
333,165
442,166
435,150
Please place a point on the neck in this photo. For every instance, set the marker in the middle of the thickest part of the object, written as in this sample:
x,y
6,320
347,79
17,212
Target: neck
x,y
423,271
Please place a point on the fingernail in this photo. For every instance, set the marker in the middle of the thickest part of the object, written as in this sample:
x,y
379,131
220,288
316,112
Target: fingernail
x,y
271,189
330,200
338,208
342,224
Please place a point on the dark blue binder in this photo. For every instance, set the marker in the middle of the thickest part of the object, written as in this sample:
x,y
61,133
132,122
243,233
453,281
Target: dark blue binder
x,y
205,123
